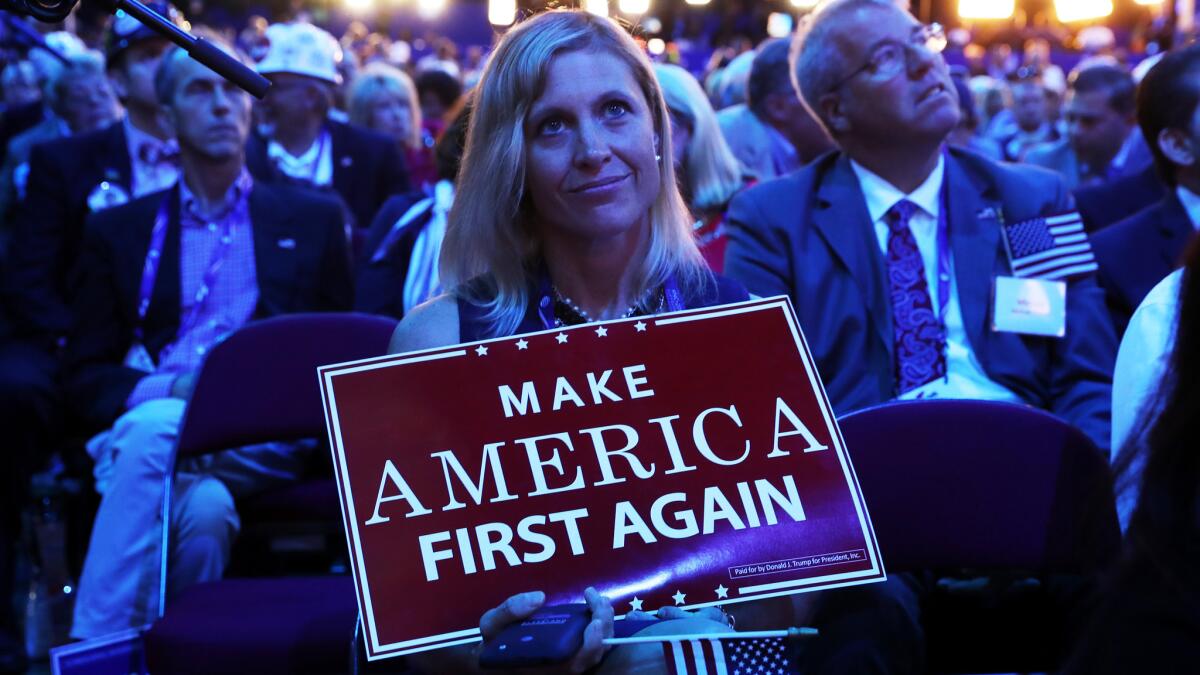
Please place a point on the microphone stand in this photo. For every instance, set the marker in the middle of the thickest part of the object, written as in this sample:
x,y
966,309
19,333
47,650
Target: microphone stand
x,y
200,49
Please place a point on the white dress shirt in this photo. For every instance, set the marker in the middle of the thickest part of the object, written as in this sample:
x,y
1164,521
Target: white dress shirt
x,y
314,165
1191,204
1141,362
965,378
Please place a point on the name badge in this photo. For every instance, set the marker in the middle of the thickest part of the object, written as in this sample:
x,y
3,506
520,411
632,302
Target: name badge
x,y
1029,306
139,359
106,195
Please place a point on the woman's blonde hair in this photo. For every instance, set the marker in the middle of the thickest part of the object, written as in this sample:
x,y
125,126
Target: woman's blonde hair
x,y
490,240
374,82
712,172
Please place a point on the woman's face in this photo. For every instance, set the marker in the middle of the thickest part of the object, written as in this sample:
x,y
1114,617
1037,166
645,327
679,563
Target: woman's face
x,y
392,116
590,150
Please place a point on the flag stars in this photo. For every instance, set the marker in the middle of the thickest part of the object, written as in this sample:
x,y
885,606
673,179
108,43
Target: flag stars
x,y
601,331
679,597
640,326
481,350
561,338
522,344
722,592
636,604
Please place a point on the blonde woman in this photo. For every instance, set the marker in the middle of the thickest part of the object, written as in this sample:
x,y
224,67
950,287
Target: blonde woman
x,y
709,174
567,212
383,98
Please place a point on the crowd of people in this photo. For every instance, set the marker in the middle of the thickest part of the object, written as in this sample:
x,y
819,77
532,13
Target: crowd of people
x,y
150,208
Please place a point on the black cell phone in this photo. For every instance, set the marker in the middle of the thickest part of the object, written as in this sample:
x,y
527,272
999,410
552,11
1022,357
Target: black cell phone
x,y
551,635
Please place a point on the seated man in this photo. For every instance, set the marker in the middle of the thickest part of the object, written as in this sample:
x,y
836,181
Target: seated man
x,y
854,237
164,279
890,250
1103,142
1136,253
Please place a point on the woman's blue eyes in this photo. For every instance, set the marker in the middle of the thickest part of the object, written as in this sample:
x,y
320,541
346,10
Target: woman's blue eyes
x,y
611,111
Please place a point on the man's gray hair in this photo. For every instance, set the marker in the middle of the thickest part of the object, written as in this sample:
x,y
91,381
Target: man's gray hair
x,y
166,78
816,58
84,66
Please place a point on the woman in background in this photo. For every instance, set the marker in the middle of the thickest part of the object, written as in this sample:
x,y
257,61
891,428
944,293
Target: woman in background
x,y
382,98
709,175
1148,619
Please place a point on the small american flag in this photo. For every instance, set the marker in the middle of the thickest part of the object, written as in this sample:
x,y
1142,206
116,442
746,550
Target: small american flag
x,y
1054,247
758,656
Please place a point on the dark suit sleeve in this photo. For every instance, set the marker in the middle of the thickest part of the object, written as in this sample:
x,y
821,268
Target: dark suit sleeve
x,y
335,287
379,286
759,252
393,174
38,251
1081,363
98,382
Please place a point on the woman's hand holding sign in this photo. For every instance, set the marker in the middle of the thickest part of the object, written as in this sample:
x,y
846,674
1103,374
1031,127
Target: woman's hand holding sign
x,y
520,607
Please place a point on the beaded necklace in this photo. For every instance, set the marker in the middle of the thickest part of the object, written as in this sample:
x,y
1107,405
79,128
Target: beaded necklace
x,y
568,313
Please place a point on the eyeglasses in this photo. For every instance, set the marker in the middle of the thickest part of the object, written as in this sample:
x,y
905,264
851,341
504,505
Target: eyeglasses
x,y
891,56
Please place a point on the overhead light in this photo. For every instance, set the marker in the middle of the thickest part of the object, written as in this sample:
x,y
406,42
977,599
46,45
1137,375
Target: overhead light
x,y
779,24
502,12
697,2
656,46
1082,10
805,4
634,6
360,6
985,9
597,7
1149,2
428,9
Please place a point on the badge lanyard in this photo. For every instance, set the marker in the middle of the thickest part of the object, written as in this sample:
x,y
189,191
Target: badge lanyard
x,y
672,296
158,239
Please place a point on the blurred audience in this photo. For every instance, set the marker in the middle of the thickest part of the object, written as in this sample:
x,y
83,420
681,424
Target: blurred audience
x,y
384,99
1102,142
773,133
302,144
1136,253
708,173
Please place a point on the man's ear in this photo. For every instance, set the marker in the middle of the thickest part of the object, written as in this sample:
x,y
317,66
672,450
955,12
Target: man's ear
x,y
1177,146
120,85
166,121
829,110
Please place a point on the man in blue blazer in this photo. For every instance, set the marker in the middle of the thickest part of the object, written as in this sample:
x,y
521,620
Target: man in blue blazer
x,y
1136,253
818,235
889,250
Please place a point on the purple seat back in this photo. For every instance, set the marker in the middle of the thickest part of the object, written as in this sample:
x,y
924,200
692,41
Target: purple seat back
x,y
261,383
978,484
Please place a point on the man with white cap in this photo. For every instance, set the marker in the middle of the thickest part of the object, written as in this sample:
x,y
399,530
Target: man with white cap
x,y
304,145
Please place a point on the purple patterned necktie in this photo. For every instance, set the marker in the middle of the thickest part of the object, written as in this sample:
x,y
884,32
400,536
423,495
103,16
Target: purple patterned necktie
x,y
916,332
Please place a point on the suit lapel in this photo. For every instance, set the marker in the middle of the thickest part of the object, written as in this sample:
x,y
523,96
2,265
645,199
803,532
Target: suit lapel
x,y
118,167
343,162
275,254
162,319
974,221
1174,229
842,220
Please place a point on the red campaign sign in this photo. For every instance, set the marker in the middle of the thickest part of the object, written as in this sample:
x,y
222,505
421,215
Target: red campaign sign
x,y
685,459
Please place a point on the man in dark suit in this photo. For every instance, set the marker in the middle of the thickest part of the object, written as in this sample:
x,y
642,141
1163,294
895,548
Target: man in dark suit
x,y
164,279
304,146
887,310
67,178
1108,203
1136,253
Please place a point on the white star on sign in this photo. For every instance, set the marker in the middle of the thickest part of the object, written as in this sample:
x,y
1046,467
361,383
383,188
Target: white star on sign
x,y
636,604
679,597
522,344
640,326
602,331
722,592
481,350
562,338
